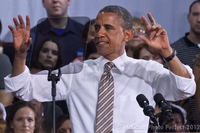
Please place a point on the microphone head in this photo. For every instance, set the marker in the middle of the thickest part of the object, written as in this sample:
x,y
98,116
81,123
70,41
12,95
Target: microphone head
x,y
142,100
158,98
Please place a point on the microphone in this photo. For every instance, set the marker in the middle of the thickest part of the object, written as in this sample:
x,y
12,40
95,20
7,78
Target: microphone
x,y
147,109
166,110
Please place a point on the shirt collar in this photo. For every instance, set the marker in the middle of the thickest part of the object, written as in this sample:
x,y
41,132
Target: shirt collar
x,y
188,42
119,62
71,27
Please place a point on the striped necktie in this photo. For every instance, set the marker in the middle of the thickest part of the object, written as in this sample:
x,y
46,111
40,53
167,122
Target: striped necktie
x,y
104,117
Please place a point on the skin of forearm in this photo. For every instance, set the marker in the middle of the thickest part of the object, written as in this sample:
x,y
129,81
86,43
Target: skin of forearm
x,y
18,64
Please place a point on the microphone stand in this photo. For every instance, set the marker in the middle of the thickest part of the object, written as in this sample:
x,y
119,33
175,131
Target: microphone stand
x,y
54,79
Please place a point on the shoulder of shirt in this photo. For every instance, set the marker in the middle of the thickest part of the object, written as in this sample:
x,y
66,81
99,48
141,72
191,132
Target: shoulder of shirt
x,y
178,42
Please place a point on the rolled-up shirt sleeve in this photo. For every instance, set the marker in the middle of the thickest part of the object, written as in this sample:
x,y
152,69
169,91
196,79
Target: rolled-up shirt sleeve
x,y
28,86
176,87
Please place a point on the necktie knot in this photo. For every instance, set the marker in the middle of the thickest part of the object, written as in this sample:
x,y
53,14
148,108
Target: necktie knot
x,y
108,66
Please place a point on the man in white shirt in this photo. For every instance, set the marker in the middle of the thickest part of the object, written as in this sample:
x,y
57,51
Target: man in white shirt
x,y
131,77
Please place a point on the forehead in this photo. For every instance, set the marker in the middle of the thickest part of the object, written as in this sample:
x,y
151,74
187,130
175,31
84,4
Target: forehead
x,y
196,7
25,111
107,18
50,44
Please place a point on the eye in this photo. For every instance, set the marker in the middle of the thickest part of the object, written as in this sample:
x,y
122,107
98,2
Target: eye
x,y
195,14
19,119
62,131
55,52
44,50
30,119
96,28
108,27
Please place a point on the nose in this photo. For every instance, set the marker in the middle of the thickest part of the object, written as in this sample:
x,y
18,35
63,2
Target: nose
x,y
135,33
49,54
101,32
25,123
198,18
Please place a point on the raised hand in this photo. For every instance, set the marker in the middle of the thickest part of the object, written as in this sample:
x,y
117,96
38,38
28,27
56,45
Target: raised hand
x,y
158,36
21,36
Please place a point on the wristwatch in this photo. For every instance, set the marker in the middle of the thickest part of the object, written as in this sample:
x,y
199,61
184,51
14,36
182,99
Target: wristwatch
x,y
169,58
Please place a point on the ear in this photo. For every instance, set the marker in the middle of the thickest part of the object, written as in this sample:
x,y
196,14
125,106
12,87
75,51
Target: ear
x,y
188,18
128,34
69,2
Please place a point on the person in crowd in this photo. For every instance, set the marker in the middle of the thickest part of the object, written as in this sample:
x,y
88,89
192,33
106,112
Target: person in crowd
x,y
88,39
139,29
178,124
88,31
5,69
143,51
187,47
128,77
22,118
59,26
48,56
63,124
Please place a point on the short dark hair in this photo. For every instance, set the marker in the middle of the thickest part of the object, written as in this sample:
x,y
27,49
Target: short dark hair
x,y
122,13
12,111
196,1
178,111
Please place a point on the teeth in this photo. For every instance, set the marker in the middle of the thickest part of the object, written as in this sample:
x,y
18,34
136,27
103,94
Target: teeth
x,y
102,42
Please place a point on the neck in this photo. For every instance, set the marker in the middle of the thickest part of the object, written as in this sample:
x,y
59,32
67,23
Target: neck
x,y
59,23
195,38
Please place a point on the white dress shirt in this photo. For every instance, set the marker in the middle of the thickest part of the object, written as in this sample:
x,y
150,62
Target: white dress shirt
x,y
80,90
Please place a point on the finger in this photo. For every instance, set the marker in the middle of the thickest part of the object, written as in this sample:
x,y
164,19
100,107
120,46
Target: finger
x,y
21,21
16,23
146,23
161,30
152,20
11,28
156,26
152,35
28,24
154,30
145,39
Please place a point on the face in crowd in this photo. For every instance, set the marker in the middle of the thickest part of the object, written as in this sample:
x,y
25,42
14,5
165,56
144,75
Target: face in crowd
x,y
147,55
23,121
48,55
194,18
56,8
65,127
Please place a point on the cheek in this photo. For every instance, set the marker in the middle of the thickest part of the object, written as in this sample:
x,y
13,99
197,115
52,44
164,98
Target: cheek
x,y
42,56
55,59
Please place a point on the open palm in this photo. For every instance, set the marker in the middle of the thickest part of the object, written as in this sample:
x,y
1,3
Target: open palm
x,y
21,36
